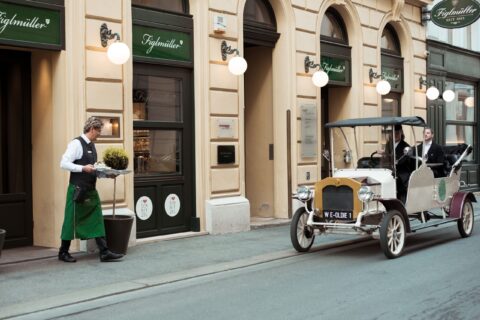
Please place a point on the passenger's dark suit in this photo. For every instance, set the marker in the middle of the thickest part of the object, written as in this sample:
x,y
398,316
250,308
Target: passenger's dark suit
x,y
435,155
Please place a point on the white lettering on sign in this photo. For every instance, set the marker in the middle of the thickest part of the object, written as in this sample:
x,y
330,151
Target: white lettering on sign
x,y
443,13
328,67
390,76
336,214
31,23
148,40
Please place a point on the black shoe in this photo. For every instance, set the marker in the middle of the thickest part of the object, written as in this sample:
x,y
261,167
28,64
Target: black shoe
x,y
66,257
110,256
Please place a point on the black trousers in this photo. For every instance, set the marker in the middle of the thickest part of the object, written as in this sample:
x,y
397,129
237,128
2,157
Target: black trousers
x,y
101,243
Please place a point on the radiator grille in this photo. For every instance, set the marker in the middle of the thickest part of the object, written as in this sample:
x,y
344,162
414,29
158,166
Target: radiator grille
x,y
337,198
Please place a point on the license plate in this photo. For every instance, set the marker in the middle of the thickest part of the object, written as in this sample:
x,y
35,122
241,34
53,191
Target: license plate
x,y
337,215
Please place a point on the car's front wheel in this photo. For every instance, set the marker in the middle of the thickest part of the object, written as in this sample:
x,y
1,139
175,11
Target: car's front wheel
x,y
392,234
465,224
301,234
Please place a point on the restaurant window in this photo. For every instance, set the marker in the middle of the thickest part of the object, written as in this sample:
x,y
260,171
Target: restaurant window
x,y
460,115
390,43
333,28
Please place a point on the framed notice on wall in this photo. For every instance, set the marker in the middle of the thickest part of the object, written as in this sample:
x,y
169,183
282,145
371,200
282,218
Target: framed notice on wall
x,y
309,130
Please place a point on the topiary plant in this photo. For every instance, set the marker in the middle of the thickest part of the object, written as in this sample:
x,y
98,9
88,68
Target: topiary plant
x,y
115,158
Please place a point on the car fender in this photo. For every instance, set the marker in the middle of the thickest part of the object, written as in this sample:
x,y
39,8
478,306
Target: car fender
x,y
456,205
396,204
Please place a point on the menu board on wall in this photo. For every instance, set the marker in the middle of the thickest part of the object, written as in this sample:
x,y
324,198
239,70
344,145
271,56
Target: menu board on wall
x,y
309,130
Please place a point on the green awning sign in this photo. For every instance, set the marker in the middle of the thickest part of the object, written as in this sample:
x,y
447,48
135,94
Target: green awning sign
x,y
455,13
30,26
335,68
394,77
151,42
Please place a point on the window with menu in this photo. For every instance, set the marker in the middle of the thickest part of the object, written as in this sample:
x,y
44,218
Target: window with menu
x,y
460,117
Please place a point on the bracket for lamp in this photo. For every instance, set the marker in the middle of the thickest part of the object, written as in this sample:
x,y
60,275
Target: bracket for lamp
x,y
226,50
106,34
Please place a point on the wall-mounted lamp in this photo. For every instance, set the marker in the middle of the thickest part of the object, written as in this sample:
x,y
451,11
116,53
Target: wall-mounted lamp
x,y
118,52
319,78
448,95
383,86
432,91
237,65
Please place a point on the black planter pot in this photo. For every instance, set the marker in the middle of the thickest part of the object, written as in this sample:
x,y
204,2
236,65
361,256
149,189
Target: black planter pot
x,y
118,232
3,234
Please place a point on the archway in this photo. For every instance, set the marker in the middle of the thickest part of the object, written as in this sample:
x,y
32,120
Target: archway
x,y
260,37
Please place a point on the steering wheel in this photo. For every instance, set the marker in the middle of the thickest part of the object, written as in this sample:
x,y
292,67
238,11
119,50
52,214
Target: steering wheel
x,y
372,159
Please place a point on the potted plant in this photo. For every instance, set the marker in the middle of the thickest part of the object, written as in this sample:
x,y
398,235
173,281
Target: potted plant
x,y
117,227
3,234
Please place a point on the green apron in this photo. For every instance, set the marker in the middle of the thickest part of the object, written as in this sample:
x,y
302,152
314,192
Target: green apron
x,y
83,220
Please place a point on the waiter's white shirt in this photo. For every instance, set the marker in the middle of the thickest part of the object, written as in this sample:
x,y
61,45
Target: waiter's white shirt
x,y
426,147
74,152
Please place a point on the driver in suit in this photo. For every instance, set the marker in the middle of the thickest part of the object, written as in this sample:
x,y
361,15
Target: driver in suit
x,y
402,169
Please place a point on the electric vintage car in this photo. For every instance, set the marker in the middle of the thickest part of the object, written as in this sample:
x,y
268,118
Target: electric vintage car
x,y
361,195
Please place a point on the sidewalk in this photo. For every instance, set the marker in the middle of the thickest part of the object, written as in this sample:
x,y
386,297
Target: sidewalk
x,y
47,283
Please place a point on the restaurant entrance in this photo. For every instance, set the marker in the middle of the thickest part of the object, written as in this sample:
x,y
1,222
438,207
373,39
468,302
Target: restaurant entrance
x,y
15,148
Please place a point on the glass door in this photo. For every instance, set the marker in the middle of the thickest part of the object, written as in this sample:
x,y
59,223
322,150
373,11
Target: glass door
x,y
163,147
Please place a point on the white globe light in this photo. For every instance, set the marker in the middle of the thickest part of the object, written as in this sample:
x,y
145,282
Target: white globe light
x,y
448,95
469,102
320,78
432,93
118,52
383,87
237,65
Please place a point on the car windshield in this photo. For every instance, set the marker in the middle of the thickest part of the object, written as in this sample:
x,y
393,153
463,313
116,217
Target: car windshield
x,y
380,148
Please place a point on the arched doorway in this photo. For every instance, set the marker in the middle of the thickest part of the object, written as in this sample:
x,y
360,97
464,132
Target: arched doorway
x,y
336,61
260,37
392,71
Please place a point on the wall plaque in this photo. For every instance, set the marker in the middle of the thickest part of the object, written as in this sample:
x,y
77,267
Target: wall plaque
x,y
309,130
225,154
225,128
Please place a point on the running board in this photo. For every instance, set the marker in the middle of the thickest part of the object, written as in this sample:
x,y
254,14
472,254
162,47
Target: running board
x,y
431,224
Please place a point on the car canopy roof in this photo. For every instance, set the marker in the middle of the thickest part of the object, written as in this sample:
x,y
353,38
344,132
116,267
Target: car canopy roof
x,y
378,121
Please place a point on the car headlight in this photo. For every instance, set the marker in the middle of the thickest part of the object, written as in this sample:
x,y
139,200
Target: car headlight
x,y
304,193
365,194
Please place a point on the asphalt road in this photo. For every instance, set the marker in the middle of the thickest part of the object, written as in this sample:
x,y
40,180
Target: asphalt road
x,y
436,278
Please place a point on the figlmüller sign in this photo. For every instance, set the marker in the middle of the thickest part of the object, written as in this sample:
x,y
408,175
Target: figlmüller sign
x,y
30,26
455,13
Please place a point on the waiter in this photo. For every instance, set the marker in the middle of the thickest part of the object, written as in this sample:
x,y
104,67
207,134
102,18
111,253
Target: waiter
x,y
83,211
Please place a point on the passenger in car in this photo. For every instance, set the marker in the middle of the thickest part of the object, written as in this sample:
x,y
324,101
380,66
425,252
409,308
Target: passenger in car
x,y
432,153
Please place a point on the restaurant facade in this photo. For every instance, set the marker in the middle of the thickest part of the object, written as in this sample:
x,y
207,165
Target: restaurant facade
x,y
209,149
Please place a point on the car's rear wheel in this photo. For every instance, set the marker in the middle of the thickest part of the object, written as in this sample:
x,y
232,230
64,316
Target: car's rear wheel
x,y
301,234
465,224
392,234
